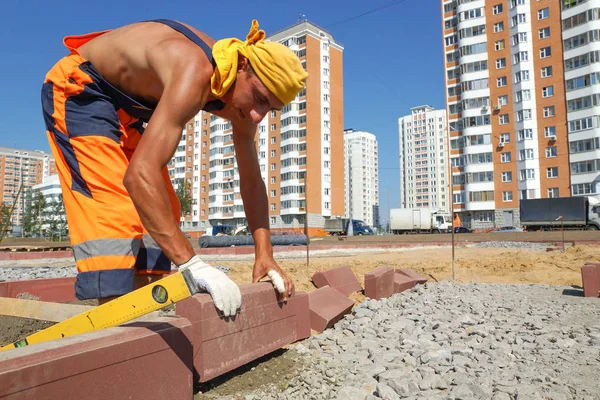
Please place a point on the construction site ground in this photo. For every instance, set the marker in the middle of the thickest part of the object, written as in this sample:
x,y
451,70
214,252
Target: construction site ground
x,y
530,264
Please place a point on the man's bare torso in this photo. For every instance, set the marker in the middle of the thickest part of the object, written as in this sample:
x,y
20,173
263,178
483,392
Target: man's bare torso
x,y
137,58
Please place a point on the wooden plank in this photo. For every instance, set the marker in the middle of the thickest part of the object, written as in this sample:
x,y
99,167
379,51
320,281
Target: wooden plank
x,y
40,310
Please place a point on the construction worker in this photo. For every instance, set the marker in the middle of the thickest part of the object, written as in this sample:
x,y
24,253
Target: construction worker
x,y
115,109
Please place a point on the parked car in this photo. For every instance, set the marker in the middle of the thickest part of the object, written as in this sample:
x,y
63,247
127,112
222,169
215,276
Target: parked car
x,y
462,229
507,229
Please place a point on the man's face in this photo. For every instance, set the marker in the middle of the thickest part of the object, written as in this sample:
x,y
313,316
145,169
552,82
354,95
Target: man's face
x,y
250,98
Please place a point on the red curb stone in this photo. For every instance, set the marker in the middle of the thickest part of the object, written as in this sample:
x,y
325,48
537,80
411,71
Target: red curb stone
x,y
51,289
590,278
139,361
412,274
327,306
379,283
262,326
340,278
403,282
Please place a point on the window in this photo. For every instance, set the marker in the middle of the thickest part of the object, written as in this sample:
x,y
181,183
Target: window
x,y
519,19
520,37
548,91
273,179
543,13
273,167
273,207
503,119
525,134
273,153
526,174
273,140
507,176
273,127
501,81
505,157
544,33
552,172
497,9
503,100
552,193
505,138
523,115
545,52
500,63
273,114
498,27
546,71
526,154
507,196
521,76
548,111
551,152
550,131
520,56
499,45
273,193
273,220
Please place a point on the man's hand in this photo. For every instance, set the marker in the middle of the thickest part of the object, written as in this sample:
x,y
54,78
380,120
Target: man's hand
x,y
225,293
266,266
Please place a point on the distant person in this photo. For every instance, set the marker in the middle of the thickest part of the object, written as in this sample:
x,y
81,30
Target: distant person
x,y
122,211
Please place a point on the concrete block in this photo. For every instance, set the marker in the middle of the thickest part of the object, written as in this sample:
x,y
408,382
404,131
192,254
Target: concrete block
x,y
262,326
340,278
403,282
379,283
137,361
412,274
590,277
327,306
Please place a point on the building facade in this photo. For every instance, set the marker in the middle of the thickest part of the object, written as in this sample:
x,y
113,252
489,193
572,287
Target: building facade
x,y
581,41
22,169
506,107
300,149
361,176
424,159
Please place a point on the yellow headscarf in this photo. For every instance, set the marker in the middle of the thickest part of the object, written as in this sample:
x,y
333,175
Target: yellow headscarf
x,y
277,67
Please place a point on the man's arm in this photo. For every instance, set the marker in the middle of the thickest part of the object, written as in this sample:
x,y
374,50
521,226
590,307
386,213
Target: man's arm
x,y
184,85
256,204
252,188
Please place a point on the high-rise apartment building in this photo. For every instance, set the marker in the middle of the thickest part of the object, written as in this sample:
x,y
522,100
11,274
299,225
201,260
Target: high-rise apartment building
x,y
22,169
506,106
300,148
361,176
424,176
581,41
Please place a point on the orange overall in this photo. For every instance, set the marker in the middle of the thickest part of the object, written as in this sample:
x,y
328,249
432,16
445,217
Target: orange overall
x,y
93,130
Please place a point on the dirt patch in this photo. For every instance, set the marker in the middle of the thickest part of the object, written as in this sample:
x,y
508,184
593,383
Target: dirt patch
x,y
17,328
486,265
277,368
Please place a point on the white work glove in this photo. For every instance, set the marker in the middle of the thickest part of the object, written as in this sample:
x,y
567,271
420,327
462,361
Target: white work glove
x,y
277,280
225,293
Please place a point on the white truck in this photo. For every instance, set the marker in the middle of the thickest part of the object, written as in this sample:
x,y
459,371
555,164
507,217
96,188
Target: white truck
x,y
419,220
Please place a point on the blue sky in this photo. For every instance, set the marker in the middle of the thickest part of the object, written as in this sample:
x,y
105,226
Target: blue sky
x,y
393,58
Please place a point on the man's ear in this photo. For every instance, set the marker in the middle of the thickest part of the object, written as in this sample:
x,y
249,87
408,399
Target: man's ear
x,y
242,63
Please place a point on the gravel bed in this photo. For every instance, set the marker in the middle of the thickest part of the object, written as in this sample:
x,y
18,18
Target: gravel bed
x,y
512,245
27,273
456,341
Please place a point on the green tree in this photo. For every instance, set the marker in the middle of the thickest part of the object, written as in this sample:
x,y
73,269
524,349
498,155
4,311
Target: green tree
x,y
55,219
184,193
34,214
5,220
